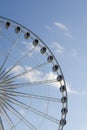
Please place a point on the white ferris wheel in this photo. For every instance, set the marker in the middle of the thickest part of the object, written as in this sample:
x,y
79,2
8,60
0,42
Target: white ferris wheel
x,y
33,94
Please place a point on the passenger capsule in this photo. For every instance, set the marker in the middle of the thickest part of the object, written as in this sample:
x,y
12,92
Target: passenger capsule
x,y
55,68
59,78
62,88
27,35
43,50
64,110
17,29
64,99
7,25
50,58
62,122
35,42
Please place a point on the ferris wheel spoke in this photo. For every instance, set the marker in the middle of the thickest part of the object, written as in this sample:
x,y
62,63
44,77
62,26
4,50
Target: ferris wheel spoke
x,y
34,110
21,94
22,58
6,116
20,116
10,51
24,72
10,85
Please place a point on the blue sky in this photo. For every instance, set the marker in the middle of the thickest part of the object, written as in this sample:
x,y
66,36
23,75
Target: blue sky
x,y
62,25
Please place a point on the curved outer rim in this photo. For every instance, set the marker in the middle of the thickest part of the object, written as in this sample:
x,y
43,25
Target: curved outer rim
x,y
28,30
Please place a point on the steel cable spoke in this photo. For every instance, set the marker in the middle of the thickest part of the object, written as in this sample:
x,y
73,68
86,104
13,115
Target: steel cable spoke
x,y
10,51
21,104
10,85
25,72
21,94
16,113
19,61
3,111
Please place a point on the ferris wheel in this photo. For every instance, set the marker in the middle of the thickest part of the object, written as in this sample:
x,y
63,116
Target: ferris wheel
x,y
33,94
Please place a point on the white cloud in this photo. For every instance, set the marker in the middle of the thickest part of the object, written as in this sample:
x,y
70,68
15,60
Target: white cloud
x,y
58,47
17,69
37,75
63,28
72,91
69,90
34,75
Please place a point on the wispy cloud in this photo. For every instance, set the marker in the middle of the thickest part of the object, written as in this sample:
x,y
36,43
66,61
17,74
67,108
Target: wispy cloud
x,y
17,69
63,28
58,47
34,75
37,75
73,91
